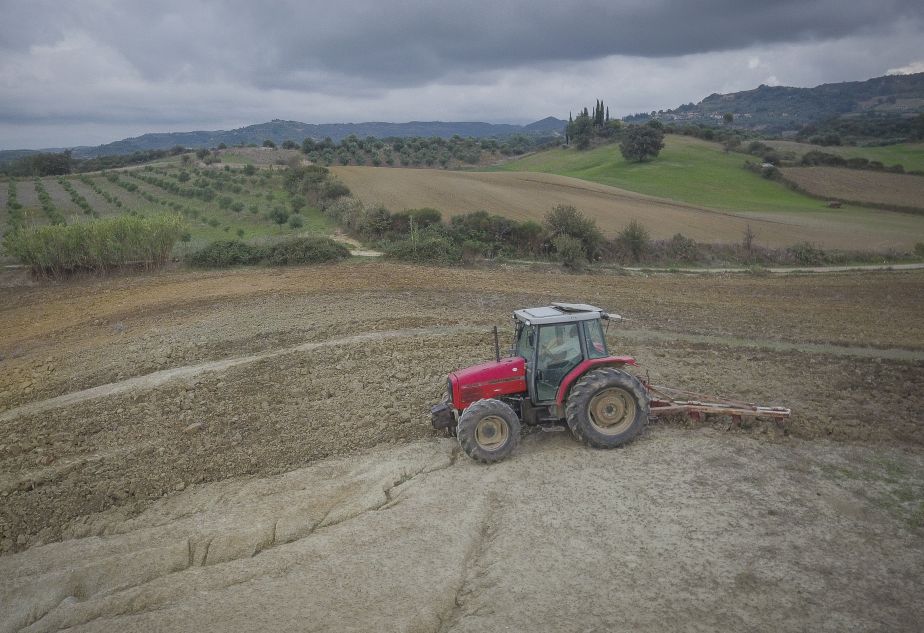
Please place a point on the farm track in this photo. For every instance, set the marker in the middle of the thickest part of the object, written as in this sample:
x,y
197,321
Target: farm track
x,y
260,437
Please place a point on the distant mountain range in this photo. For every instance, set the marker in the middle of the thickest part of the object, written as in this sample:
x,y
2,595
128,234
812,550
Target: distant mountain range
x,y
780,109
279,131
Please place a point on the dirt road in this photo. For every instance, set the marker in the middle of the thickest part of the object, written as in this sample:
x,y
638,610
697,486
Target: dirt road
x,y
180,449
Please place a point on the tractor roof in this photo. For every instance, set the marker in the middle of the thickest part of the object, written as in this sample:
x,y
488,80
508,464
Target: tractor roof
x,y
559,313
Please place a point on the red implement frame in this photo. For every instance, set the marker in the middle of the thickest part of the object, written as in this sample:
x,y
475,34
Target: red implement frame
x,y
671,401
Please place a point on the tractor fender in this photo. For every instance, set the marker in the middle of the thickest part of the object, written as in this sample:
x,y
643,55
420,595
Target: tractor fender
x,y
584,367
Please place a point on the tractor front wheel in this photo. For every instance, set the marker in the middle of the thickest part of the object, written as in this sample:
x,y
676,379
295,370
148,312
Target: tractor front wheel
x,y
607,408
488,430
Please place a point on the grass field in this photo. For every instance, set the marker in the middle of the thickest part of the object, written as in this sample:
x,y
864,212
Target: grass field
x,y
908,155
688,170
870,187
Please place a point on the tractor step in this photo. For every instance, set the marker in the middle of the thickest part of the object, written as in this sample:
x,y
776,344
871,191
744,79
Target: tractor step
x,y
552,427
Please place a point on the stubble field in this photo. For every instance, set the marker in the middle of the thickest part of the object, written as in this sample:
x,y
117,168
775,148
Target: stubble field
x,y
525,195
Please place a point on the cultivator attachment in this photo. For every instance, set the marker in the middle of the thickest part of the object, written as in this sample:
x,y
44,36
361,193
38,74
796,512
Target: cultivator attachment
x,y
671,401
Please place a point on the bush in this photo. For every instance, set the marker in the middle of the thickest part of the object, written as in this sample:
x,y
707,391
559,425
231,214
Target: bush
x,y
97,246
566,220
279,215
306,250
296,221
807,254
427,248
225,253
570,251
682,249
635,238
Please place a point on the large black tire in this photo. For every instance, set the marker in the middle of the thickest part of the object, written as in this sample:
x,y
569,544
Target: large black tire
x,y
607,408
488,430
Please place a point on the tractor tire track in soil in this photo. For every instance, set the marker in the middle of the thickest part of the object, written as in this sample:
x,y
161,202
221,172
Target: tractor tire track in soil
x,y
158,378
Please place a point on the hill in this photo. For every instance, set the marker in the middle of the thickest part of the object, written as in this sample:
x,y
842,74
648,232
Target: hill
x,y
781,109
529,196
279,131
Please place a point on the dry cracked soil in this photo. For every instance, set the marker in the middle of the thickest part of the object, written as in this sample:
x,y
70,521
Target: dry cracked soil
x,y
250,450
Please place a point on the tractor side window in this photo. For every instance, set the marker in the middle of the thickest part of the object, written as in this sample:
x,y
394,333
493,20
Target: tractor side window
x,y
596,341
525,343
559,353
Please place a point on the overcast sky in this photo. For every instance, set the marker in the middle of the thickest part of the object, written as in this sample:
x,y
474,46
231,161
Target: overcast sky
x,y
85,72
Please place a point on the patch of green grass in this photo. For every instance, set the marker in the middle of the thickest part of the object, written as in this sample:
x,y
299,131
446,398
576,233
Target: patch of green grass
x,y
237,159
908,155
885,483
687,170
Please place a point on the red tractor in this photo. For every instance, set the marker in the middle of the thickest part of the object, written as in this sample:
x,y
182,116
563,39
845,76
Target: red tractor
x,y
559,371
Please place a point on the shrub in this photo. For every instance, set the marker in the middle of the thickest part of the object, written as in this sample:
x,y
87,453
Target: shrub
x,y
807,254
296,221
279,215
570,251
224,253
97,246
427,248
306,250
682,249
635,238
919,249
566,220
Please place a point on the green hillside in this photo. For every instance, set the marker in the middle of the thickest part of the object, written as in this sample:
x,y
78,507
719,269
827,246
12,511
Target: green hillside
x,y
908,155
688,170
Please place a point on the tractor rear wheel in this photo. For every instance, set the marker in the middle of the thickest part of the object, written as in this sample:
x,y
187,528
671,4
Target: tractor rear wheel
x,y
607,408
488,430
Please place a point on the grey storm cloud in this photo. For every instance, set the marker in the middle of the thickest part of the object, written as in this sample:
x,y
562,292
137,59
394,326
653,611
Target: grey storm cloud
x,y
93,70
286,44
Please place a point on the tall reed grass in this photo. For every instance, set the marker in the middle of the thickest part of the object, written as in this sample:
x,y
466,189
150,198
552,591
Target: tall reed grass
x,y
98,246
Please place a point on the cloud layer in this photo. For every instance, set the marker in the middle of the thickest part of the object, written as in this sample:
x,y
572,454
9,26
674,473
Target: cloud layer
x,y
86,72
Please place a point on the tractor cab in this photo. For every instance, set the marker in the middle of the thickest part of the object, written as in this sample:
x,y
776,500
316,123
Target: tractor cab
x,y
559,371
555,340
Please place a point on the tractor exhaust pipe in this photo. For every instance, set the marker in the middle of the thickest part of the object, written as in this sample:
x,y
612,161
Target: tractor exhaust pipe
x,y
496,346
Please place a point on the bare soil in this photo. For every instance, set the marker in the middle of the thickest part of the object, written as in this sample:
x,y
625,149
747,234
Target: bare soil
x,y
857,185
207,417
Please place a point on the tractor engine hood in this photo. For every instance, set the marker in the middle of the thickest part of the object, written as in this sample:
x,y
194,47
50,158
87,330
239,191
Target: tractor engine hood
x,y
487,380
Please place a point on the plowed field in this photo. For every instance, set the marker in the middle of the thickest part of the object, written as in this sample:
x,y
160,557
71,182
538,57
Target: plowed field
x,y
251,450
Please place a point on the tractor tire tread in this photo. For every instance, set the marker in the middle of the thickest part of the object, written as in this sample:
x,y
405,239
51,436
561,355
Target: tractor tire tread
x,y
579,398
465,430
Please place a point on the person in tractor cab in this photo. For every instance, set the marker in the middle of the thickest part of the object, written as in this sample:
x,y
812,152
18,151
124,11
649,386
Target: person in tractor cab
x,y
564,346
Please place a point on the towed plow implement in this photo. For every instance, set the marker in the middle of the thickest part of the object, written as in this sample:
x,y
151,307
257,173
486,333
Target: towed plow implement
x,y
672,401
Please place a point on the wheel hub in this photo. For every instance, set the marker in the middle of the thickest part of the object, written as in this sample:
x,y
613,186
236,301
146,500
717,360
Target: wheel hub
x,y
612,411
491,433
